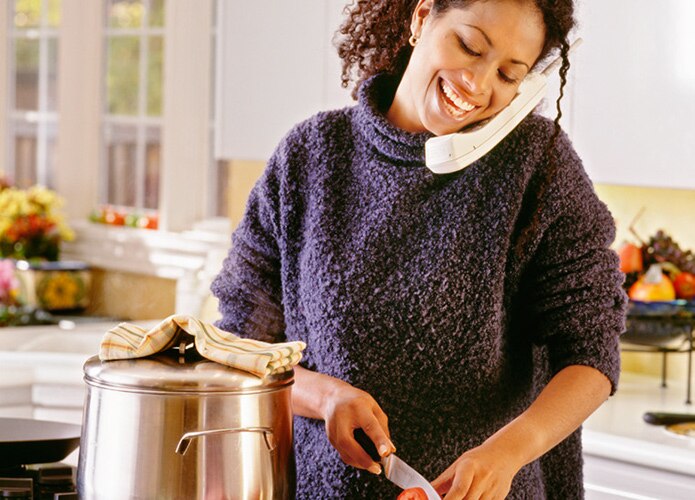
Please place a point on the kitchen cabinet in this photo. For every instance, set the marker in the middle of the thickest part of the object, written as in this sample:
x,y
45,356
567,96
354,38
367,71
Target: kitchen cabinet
x,y
613,479
276,66
631,96
628,106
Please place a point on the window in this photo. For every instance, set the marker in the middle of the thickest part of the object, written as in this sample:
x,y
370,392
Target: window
x,y
133,82
32,121
218,201
132,122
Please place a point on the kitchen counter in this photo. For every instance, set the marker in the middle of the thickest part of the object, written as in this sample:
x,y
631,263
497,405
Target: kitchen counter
x,y
627,458
51,353
41,370
616,430
41,377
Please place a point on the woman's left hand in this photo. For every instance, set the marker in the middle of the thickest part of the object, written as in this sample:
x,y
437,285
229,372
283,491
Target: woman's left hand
x,y
479,474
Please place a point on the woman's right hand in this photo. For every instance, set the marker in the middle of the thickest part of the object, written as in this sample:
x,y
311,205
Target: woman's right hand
x,y
348,408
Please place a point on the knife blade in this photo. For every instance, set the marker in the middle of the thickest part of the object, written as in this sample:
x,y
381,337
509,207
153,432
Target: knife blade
x,y
395,469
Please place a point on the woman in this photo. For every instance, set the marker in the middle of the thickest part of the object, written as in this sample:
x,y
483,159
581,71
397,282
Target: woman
x,y
471,319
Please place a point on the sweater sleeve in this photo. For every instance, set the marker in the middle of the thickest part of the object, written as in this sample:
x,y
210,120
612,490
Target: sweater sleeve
x,y
249,287
577,301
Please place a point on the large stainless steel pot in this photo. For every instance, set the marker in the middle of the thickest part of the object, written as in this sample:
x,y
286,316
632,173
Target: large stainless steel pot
x,y
167,427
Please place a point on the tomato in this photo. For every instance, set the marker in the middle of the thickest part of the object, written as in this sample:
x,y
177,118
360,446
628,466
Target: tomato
x,y
653,286
148,222
630,258
684,283
413,494
114,218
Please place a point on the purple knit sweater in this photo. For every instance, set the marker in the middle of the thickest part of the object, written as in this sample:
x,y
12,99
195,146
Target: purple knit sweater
x,y
451,299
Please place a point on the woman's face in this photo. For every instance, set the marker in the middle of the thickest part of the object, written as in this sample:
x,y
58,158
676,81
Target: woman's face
x,y
467,64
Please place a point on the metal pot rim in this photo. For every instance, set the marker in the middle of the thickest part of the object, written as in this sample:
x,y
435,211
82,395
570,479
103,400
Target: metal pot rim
x,y
167,373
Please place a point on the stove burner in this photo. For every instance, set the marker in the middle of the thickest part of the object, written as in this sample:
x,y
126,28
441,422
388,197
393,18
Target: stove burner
x,y
38,482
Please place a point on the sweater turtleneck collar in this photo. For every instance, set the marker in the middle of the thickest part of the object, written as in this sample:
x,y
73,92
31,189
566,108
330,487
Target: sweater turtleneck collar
x,y
375,97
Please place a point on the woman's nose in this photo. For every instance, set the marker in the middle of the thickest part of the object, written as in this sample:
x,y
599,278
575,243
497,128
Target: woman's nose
x,y
478,79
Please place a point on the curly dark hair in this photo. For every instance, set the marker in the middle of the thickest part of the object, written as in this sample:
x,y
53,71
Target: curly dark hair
x,y
374,38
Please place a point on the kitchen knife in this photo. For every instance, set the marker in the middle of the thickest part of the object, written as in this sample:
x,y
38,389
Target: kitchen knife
x,y
396,470
663,418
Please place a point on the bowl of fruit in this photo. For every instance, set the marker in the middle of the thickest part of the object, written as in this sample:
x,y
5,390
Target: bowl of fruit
x,y
660,282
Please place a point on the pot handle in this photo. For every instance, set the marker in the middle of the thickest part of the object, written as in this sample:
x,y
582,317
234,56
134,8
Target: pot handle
x,y
185,440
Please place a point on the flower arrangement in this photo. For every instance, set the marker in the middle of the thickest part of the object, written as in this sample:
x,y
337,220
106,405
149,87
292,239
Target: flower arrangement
x,y
9,293
31,224
9,285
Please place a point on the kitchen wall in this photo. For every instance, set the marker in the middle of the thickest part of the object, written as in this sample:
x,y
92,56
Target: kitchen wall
x,y
668,209
131,296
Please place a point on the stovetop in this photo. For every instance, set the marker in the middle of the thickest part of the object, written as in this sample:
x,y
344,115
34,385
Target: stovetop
x,y
54,481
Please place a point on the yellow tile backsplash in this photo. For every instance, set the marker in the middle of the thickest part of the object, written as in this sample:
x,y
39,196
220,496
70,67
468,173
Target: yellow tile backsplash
x,y
131,296
672,210
243,174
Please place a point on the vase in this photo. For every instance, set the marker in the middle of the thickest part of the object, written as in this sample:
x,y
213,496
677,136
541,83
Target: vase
x,y
54,286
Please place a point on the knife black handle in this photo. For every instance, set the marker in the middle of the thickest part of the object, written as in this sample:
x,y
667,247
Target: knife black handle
x,y
367,444
663,418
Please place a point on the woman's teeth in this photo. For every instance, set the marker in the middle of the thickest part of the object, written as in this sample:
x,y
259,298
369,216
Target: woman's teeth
x,y
460,106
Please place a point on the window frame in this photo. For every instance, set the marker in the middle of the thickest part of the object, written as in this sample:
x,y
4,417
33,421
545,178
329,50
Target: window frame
x,y
188,93
142,122
44,120
4,88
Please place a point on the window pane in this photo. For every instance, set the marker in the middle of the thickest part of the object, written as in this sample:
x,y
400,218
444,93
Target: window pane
x,y
53,13
25,149
157,13
27,74
123,75
121,150
52,133
152,162
52,98
27,13
154,75
125,13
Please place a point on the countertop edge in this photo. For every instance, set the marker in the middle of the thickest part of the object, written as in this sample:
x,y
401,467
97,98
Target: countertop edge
x,y
638,452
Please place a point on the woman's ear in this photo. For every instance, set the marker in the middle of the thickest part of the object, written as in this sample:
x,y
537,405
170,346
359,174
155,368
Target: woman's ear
x,y
422,10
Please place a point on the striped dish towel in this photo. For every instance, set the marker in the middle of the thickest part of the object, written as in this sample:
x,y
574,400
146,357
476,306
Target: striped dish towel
x,y
128,341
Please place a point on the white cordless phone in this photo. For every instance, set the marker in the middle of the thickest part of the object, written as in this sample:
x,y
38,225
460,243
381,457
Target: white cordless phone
x,y
448,153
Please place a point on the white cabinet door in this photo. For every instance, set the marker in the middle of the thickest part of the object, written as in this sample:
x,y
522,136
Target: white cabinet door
x,y
276,66
631,102
613,480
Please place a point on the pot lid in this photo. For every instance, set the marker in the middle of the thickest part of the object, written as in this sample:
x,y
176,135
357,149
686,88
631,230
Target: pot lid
x,y
170,372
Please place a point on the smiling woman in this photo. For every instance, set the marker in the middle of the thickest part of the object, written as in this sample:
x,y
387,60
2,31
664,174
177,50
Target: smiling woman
x,y
471,319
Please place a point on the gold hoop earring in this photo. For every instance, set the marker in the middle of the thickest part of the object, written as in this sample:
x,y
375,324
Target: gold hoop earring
x,y
413,40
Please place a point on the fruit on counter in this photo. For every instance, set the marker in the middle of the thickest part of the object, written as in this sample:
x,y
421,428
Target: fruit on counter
x,y
114,217
413,494
653,286
148,222
662,248
123,216
684,283
630,258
